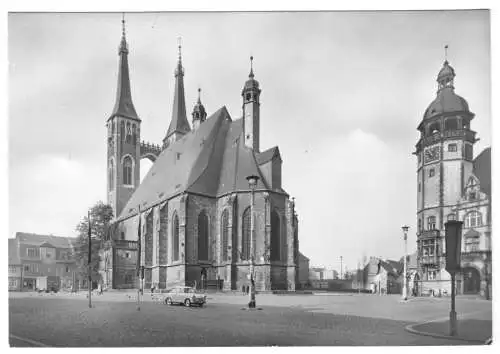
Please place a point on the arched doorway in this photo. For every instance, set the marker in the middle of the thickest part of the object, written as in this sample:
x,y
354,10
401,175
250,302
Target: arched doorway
x,y
472,280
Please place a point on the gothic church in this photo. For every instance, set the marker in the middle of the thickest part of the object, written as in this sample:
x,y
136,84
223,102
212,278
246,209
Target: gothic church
x,y
194,203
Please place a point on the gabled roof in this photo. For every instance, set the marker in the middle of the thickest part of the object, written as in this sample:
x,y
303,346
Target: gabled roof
x,y
392,267
38,240
268,155
482,170
13,252
212,161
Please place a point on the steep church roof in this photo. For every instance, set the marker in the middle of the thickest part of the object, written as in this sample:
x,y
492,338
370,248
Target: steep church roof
x,y
211,161
482,170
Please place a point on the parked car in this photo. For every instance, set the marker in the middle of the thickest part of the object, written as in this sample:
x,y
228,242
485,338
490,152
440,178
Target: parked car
x,y
184,295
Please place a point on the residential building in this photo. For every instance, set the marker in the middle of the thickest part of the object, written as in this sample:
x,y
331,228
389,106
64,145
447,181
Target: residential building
x,y
15,267
382,276
32,256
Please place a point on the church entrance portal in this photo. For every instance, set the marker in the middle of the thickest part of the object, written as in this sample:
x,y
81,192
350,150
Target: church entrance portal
x,y
472,280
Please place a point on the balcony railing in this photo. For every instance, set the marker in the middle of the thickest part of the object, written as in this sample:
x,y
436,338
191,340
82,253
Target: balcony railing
x,y
125,244
425,260
434,138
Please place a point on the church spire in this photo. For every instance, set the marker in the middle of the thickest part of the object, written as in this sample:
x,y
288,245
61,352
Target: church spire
x,y
123,104
179,124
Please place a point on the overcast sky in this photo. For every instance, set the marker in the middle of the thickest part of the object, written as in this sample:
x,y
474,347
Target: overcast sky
x,y
342,95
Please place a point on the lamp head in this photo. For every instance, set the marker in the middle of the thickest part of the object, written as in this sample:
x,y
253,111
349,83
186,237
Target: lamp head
x,y
252,181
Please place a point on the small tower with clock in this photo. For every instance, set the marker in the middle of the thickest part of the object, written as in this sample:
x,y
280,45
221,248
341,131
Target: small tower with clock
x,y
251,110
123,127
445,162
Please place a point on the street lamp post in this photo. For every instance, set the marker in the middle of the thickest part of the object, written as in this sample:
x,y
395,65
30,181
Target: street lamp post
x,y
340,267
405,233
252,182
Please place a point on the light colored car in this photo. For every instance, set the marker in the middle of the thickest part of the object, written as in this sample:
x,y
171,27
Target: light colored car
x,y
184,295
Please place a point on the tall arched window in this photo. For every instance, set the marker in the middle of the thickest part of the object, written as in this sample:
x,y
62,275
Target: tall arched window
x,y
129,133
419,225
275,236
175,238
134,134
224,222
203,236
473,219
245,235
127,170
122,130
111,174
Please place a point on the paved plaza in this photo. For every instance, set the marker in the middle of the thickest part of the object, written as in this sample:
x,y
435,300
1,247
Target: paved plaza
x,y
298,320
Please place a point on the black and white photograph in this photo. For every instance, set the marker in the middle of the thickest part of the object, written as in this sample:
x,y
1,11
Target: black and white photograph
x,y
249,178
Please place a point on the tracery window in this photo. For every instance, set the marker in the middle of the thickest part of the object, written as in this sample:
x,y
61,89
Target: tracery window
x,y
175,237
245,235
122,130
134,134
129,134
225,234
203,236
127,170
111,174
275,236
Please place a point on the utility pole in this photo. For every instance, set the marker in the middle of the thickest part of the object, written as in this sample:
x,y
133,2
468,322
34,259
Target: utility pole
x,y
252,182
89,263
340,267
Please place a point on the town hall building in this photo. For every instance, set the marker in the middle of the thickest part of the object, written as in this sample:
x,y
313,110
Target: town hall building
x,y
194,204
452,184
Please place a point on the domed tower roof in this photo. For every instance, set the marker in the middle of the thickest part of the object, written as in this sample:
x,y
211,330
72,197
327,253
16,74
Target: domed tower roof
x,y
251,83
446,101
200,109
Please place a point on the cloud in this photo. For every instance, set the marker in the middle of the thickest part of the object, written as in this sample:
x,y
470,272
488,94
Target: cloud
x,y
362,193
53,193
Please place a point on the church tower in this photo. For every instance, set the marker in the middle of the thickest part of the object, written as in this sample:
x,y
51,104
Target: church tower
x,y
199,114
251,111
445,162
123,127
179,125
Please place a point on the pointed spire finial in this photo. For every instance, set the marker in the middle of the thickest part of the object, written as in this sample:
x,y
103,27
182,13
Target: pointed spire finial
x,y
123,24
179,45
446,53
199,98
251,67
